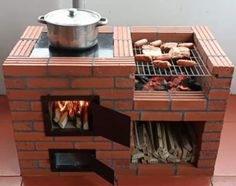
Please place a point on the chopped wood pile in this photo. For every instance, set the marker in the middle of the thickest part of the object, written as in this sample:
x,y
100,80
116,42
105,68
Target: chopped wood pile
x,y
71,114
163,142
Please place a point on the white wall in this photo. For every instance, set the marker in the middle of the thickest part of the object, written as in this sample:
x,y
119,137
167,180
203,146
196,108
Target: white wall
x,y
217,14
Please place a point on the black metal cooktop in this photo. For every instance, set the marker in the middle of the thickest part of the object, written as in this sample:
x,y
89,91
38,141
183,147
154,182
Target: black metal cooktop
x,y
104,48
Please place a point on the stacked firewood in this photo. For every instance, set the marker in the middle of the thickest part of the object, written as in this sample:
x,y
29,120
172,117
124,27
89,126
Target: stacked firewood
x,y
74,113
163,142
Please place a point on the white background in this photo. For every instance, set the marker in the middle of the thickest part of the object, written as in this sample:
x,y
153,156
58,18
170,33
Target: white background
x,y
218,15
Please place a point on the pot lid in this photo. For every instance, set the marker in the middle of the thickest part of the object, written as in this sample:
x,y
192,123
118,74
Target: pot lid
x,y
72,17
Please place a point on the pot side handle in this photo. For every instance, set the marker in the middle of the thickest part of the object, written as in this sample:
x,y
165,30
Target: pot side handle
x,y
103,21
42,20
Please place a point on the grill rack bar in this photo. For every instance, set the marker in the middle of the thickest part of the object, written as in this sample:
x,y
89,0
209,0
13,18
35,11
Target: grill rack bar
x,y
148,69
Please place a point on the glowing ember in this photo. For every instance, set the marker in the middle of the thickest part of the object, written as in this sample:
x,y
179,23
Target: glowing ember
x,y
74,112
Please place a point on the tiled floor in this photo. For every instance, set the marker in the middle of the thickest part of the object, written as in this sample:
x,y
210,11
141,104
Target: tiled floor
x,y
225,170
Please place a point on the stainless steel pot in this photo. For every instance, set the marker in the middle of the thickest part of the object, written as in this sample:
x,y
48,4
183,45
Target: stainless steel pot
x,y
73,28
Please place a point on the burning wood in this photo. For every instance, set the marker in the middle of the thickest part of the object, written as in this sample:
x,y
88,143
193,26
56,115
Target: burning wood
x,y
161,142
73,113
161,83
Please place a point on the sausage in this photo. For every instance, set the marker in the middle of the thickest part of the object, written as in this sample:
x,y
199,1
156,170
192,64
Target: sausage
x,y
186,63
156,43
187,45
140,42
163,57
167,46
143,57
161,64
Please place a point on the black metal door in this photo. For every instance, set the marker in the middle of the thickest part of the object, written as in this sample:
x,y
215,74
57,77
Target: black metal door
x,y
110,124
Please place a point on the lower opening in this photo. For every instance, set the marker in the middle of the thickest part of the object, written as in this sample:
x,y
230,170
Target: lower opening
x,y
166,142
71,159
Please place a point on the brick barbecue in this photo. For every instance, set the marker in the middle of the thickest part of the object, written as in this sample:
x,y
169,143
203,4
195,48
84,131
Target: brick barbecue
x,y
113,80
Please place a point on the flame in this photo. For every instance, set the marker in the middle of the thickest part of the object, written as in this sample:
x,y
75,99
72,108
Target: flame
x,y
72,107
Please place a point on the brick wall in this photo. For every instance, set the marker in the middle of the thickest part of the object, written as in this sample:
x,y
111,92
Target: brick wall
x,y
27,79
112,79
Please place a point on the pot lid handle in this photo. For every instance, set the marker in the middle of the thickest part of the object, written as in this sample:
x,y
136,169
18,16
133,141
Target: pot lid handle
x,y
103,21
42,20
72,12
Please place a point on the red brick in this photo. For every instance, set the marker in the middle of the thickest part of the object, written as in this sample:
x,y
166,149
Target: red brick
x,y
92,83
32,32
216,105
218,94
19,105
188,105
33,155
121,163
115,93
108,104
32,136
206,163
209,145
107,162
99,138
55,145
44,164
36,106
38,126
189,170
124,105
47,83
151,105
147,35
213,127
94,145
144,29
28,164
117,146
203,116
73,139
126,172
213,136
113,154
154,170
24,71
71,92
25,146
14,83
26,94
214,82
105,29
108,71
27,116
208,154
132,115
178,37
124,82
161,116
70,70
22,126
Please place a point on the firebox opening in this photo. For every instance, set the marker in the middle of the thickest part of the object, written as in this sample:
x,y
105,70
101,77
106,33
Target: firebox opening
x,y
166,142
68,115
62,160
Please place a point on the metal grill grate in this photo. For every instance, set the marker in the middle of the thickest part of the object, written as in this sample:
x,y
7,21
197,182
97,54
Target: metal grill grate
x,y
148,69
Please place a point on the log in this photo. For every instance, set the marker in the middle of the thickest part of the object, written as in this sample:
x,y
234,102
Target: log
x,y
63,120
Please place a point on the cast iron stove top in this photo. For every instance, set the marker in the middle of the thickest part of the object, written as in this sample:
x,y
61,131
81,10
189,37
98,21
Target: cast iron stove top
x,y
104,48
